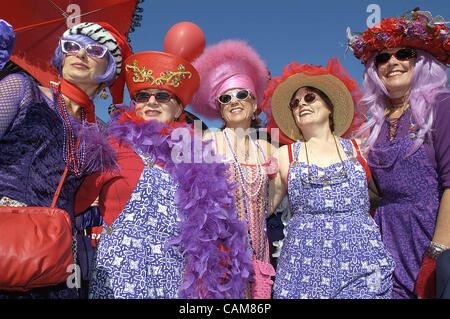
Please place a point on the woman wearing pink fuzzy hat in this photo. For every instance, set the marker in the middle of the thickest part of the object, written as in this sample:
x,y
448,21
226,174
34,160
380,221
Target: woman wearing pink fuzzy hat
x,y
232,82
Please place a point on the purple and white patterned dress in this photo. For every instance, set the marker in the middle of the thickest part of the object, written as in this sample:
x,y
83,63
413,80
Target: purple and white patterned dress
x,y
132,261
332,247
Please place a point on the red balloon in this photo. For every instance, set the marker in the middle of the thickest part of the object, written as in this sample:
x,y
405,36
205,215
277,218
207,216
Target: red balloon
x,y
185,39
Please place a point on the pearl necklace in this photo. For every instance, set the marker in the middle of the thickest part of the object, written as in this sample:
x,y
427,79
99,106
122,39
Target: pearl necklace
x,y
249,206
259,176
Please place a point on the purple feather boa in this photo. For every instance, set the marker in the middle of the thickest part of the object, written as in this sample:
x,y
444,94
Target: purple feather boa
x,y
207,212
100,155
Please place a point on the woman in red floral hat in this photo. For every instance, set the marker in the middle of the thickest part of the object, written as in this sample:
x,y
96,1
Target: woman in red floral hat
x,y
408,144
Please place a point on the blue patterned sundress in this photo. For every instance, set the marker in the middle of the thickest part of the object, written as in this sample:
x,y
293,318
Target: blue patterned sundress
x,y
333,247
131,260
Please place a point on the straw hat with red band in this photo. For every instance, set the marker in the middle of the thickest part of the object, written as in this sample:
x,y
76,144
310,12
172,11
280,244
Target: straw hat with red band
x,y
417,30
334,81
160,70
105,34
229,64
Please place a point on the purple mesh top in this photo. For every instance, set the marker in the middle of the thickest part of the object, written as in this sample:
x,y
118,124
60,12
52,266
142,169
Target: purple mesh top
x,y
439,149
18,93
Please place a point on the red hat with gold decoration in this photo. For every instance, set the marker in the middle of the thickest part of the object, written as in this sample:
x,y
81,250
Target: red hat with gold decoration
x,y
170,70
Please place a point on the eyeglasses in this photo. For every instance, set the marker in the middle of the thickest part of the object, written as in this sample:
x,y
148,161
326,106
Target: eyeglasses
x,y
308,98
240,95
93,50
144,97
402,55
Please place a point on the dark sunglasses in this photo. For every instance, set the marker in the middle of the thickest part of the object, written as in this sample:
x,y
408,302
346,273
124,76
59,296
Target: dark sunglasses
x,y
308,98
402,55
240,95
144,97
93,50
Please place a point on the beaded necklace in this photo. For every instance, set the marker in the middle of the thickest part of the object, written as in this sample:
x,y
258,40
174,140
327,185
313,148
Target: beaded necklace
x,y
259,174
74,152
326,178
248,205
395,105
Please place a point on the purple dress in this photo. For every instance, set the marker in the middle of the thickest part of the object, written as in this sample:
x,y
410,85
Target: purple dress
x,y
31,162
332,248
411,188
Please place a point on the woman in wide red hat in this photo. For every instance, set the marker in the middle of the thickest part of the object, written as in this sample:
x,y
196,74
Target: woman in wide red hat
x,y
170,227
332,248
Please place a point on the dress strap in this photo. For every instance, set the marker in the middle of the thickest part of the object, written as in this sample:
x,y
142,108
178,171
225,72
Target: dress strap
x,y
290,153
362,161
355,144
215,145
261,151
296,149
347,146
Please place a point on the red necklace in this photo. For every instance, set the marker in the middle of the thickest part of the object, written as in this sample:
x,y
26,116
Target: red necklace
x,y
399,101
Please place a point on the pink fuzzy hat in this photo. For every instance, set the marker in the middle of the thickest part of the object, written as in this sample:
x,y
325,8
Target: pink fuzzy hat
x,y
229,64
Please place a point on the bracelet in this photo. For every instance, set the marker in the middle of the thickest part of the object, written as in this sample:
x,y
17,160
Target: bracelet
x,y
435,249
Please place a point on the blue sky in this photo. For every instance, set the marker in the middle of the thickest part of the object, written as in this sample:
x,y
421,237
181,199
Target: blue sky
x,y
281,31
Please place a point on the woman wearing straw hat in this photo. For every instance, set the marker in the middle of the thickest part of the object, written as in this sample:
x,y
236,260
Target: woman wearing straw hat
x,y
39,127
332,247
170,229
405,89
233,79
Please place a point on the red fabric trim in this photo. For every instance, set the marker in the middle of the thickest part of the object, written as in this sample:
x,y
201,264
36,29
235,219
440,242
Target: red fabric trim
x,y
113,190
290,153
362,161
77,95
289,168
426,279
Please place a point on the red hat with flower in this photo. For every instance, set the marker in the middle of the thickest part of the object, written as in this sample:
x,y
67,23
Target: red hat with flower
x,y
416,29
343,92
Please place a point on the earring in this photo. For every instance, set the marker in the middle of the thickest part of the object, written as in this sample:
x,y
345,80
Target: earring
x,y
104,94
58,82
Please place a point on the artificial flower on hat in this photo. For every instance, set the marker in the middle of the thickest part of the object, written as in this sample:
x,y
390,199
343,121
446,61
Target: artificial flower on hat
x,y
416,29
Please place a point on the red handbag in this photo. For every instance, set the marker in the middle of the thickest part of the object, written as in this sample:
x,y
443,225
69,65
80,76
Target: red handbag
x,y
35,245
